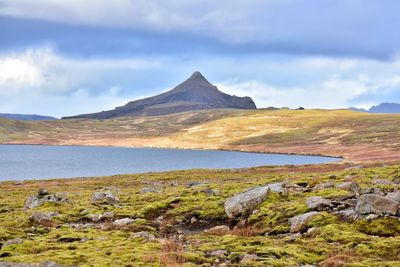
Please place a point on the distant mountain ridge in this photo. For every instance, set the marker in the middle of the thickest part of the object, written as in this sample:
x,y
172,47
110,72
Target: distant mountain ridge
x,y
195,93
26,117
387,108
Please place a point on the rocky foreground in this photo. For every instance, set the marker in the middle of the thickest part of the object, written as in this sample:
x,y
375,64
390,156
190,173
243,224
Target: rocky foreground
x,y
325,215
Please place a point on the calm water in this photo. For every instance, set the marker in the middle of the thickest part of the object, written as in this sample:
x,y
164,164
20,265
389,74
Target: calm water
x,y
19,162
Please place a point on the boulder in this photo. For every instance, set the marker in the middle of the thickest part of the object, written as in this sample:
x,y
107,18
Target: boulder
x,y
276,187
249,258
220,253
146,236
324,185
100,217
41,217
210,192
241,205
123,222
318,203
394,196
370,203
104,197
299,222
43,196
382,182
146,190
349,186
347,214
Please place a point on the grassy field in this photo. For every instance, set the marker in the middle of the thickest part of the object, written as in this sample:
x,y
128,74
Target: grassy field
x,y
167,213
352,135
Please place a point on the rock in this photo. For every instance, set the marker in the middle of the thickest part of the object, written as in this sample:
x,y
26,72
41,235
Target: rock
x,y
193,184
349,186
123,222
104,197
43,196
146,236
394,196
347,214
19,183
41,217
375,204
241,205
318,203
210,192
14,241
382,182
146,190
324,186
299,223
249,258
220,229
193,220
100,217
85,212
276,187
43,192
220,253
372,190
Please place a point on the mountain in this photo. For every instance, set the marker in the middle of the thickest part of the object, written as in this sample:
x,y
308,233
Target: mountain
x,y
196,93
385,108
26,117
358,109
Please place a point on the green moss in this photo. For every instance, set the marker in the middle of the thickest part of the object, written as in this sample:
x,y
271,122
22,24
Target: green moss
x,y
381,227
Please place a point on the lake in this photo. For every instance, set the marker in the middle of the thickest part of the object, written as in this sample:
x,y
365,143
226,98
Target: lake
x,y
19,162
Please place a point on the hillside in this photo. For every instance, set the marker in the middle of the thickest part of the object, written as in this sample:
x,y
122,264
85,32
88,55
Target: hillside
x,y
196,93
352,135
385,108
26,117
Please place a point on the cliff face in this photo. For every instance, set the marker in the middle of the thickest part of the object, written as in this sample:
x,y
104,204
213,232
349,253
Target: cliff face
x,y
196,93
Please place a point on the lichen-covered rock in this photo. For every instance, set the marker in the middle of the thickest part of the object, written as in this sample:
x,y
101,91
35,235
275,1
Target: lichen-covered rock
x,y
382,182
43,196
123,222
104,197
241,205
100,217
375,204
276,187
146,236
247,258
324,185
14,241
349,186
318,203
146,190
394,196
299,223
41,217
347,214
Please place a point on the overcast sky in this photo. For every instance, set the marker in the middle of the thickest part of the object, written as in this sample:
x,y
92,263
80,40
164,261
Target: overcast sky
x,y
66,57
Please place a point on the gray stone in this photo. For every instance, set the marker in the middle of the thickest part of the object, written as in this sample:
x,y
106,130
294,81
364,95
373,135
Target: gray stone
x,y
375,204
193,184
394,196
43,196
249,258
324,185
382,182
146,236
349,186
210,192
41,217
318,203
220,253
347,214
146,190
241,205
104,197
276,187
123,222
299,223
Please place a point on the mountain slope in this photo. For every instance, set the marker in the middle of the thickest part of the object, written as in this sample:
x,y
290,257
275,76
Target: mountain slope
x,y
385,108
26,117
196,93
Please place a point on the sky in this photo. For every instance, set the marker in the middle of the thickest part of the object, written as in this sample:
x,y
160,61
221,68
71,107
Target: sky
x,y
67,57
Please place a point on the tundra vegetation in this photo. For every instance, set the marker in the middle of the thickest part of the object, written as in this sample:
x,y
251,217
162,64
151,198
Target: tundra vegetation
x,y
293,216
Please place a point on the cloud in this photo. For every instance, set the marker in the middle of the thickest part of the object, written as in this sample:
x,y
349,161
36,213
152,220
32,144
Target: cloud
x,y
343,28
